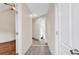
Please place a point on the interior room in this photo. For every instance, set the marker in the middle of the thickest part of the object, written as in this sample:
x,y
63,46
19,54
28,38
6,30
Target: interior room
x,y
39,29
39,42
7,29
32,29
45,27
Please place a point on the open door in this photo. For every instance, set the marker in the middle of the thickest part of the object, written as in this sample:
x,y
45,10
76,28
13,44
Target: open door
x,y
59,34
23,28
64,17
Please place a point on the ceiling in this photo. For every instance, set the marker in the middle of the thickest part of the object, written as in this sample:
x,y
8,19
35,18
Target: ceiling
x,y
38,9
4,7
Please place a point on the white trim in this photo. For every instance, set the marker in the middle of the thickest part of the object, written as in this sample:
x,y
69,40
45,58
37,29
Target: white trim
x,y
59,28
70,25
16,29
56,29
60,42
19,28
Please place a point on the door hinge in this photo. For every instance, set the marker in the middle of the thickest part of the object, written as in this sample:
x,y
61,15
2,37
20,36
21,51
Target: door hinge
x,y
16,12
17,33
17,53
56,32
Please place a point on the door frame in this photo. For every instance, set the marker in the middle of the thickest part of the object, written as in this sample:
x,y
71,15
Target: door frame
x,y
58,28
18,28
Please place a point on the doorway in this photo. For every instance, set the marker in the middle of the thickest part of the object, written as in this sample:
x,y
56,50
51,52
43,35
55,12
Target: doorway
x,y
39,42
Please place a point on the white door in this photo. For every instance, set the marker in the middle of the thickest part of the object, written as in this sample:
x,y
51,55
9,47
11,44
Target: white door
x,y
64,18
23,28
75,25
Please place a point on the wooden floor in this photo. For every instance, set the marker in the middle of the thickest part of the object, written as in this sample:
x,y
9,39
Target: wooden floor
x,y
38,48
8,48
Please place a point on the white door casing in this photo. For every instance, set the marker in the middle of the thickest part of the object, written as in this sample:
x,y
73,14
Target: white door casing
x,y
18,28
64,21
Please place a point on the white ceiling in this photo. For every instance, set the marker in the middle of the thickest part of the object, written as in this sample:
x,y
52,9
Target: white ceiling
x,y
2,7
38,9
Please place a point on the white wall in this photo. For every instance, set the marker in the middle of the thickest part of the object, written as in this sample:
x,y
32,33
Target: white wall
x,y
75,25
38,27
43,28
7,25
68,34
26,29
50,28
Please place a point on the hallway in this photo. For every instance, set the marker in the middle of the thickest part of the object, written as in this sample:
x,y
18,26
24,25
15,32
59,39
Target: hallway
x,y
39,48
